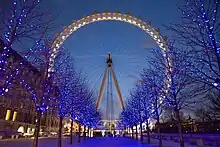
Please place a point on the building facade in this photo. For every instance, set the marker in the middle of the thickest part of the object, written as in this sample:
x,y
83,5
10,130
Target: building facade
x,y
17,109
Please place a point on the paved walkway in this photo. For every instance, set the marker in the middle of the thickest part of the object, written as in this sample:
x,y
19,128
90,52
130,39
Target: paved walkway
x,y
112,142
93,142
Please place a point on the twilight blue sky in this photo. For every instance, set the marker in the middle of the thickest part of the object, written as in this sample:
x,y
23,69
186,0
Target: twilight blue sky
x,y
128,44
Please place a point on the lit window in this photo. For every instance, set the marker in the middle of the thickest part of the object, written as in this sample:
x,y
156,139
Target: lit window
x,y
14,116
8,113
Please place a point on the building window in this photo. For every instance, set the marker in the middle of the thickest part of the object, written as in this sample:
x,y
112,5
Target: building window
x,y
8,114
22,105
14,115
20,116
25,117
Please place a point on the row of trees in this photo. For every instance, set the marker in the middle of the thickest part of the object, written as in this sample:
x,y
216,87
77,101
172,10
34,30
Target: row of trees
x,y
77,100
184,75
25,25
161,86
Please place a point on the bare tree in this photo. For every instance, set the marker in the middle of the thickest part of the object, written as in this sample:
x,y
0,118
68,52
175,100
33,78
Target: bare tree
x,y
203,115
213,105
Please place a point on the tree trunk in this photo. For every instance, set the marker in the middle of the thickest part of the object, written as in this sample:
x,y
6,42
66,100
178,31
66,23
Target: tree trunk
x,y
71,132
148,132
136,132
84,133
158,131
124,132
37,129
79,133
87,133
141,132
60,132
132,133
180,129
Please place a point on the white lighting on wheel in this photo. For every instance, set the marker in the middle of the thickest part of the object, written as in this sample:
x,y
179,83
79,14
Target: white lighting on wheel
x,y
145,26
161,46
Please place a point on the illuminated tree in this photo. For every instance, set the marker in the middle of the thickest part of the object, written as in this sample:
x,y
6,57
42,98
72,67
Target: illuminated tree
x,y
47,91
128,118
85,107
152,86
40,88
199,32
90,113
23,26
77,101
137,108
64,76
180,90
147,108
